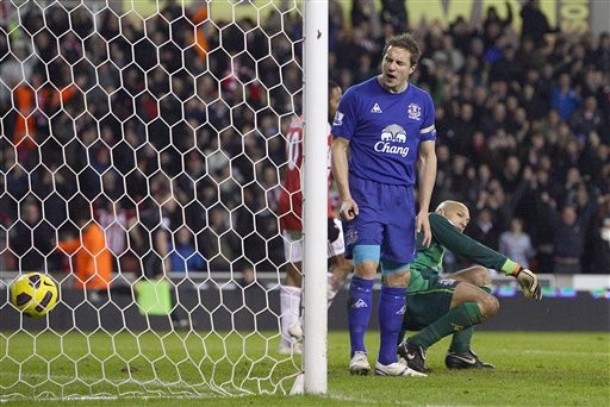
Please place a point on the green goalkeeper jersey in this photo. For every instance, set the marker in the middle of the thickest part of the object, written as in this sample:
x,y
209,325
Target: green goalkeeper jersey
x,y
445,236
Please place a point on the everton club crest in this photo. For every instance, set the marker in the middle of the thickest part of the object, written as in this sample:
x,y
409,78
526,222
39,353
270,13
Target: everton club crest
x,y
414,111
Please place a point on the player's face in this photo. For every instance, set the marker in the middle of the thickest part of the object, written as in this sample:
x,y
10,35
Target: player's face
x,y
396,69
458,215
334,98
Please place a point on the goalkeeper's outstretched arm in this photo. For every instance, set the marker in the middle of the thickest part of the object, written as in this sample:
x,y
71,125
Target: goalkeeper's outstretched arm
x,y
447,231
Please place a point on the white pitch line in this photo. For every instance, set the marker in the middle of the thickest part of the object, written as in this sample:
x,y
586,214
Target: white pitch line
x,y
116,398
91,381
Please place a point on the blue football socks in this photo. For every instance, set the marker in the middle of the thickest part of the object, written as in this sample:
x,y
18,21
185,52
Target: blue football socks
x,y
360,304
392,306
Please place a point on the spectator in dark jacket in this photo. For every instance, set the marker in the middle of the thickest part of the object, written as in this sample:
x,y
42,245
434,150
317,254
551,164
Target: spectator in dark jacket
x,y
535,24
31,239
569,241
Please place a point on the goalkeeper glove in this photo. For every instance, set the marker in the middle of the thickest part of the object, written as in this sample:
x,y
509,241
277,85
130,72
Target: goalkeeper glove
x,y
333,230
529,284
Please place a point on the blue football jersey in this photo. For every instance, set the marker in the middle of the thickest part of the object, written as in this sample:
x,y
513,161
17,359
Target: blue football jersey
x,y
384,130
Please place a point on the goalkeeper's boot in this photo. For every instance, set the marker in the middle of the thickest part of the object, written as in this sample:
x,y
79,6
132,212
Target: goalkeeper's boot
x,y
396,369
468,360
359,365
414,355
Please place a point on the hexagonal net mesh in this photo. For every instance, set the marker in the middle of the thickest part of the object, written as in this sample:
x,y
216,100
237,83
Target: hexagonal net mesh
x,y
141,156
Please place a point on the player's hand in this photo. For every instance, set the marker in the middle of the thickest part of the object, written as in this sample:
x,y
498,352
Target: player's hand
x,y
423,224
529,284
333,230
349,209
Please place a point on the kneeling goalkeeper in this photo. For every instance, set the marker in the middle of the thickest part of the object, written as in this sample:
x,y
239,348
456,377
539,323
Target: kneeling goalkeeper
x,y
437,306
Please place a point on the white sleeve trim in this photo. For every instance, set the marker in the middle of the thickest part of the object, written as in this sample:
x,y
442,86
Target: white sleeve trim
x,y
427,130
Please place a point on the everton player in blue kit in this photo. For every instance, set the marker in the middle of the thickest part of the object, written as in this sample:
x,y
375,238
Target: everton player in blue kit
x,y
383,147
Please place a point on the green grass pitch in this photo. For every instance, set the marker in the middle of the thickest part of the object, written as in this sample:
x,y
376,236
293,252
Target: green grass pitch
x,y
532,368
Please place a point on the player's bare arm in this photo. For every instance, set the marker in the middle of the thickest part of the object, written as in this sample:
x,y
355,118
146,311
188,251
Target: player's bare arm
x,y
349,208
426,169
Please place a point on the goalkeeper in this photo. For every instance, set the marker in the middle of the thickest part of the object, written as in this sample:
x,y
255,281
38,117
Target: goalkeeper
x,y
437,306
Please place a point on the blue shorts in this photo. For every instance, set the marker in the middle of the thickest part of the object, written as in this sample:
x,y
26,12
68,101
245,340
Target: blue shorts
x,y
386,219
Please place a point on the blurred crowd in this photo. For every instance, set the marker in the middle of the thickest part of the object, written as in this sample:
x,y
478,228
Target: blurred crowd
x,y
168,131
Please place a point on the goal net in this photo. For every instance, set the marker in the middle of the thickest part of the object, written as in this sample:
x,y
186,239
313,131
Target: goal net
x,y
160,124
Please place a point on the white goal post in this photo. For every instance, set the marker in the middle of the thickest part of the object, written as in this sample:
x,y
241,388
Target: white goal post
x,y
316,197
159,123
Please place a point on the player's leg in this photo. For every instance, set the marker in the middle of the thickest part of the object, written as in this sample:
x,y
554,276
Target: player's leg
x,y
480,277
428,300
340,270
469,306
397,252
340,267
363,236
290,291
475,275
392,307
360,304
460,354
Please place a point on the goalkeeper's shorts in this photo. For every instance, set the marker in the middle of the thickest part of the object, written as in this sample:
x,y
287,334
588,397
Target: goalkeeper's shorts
x,y
431,302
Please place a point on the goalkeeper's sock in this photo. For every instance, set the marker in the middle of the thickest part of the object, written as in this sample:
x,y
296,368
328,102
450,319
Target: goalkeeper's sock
x,y
290,302
457,319
360,304
460,343
392,305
